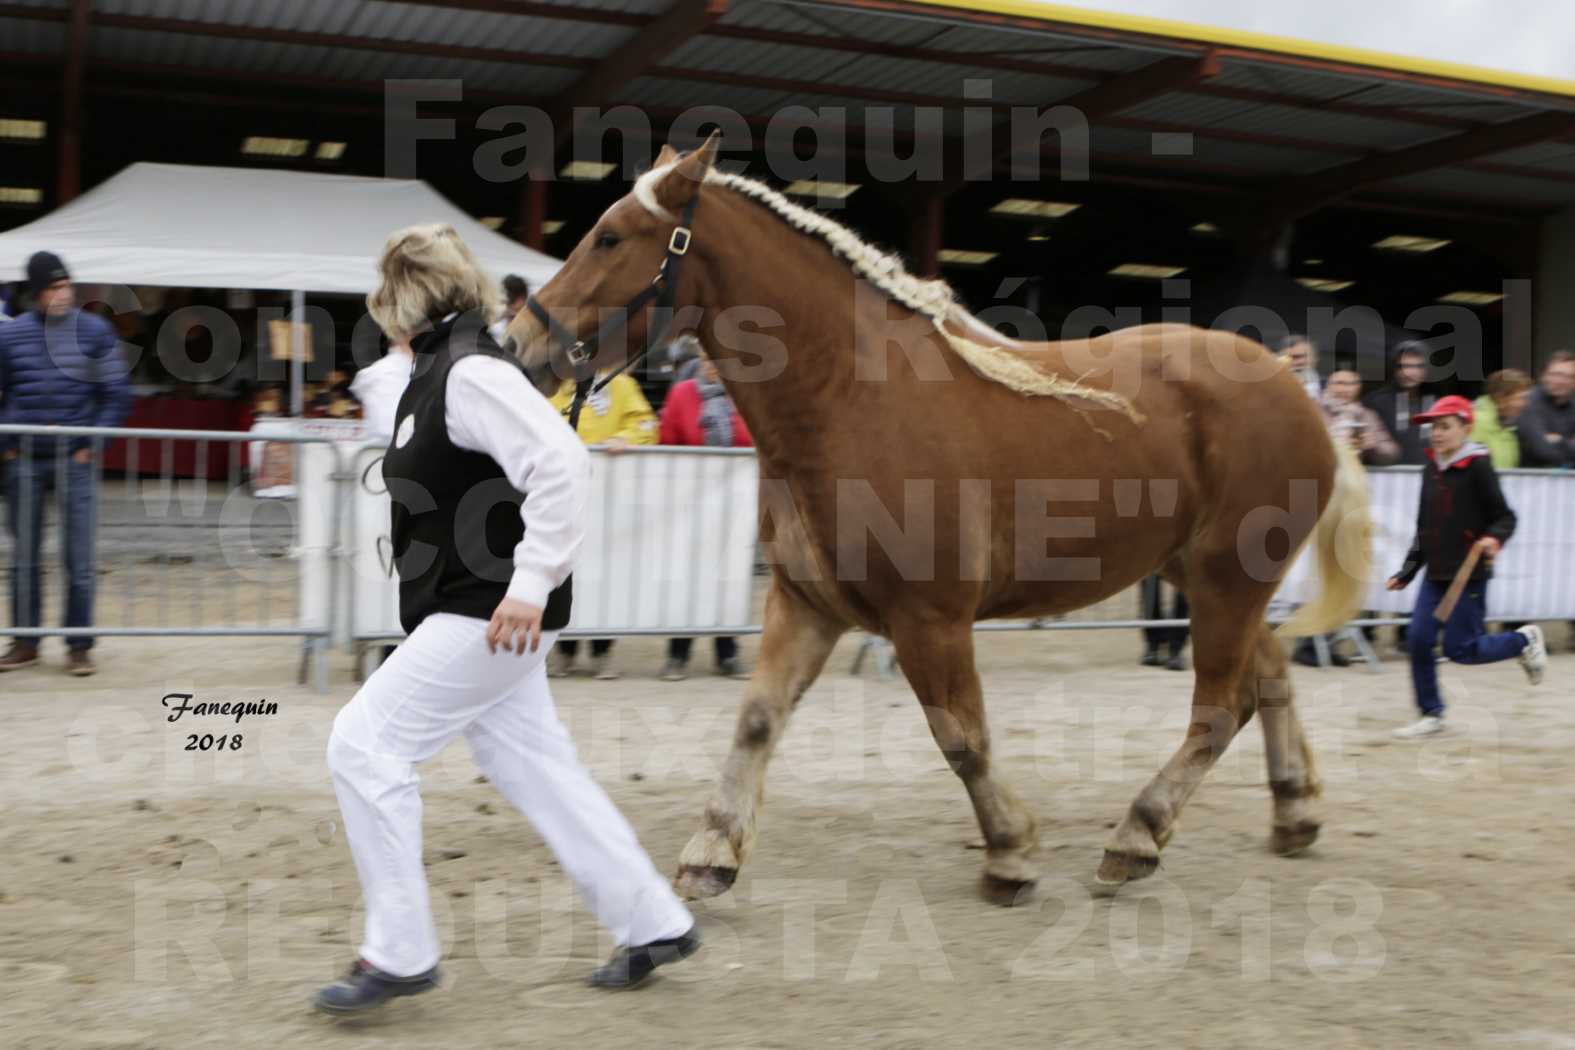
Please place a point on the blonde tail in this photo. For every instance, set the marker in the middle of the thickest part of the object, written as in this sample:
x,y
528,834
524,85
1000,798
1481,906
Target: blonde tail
x,y
1343,538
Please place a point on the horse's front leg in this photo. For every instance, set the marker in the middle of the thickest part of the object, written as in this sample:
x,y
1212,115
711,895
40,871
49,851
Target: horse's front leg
x,y
793,649
937,659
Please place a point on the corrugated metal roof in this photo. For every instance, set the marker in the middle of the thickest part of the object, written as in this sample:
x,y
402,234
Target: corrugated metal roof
x,y
861,77
1340,129
1489,114
1564,166
1434,99
1029,46
903,119
1277,160
1299,83
277,14
1489,187
34,38
1127,141
1543,153
946,81
1135,144
486,29
791,18
206,53
746,57
390,21
1184,108
643,7
875,73
681,94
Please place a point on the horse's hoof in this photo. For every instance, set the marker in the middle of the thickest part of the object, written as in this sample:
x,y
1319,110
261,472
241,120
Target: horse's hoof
x,y
698,883
1288,842
1006,893
1119,868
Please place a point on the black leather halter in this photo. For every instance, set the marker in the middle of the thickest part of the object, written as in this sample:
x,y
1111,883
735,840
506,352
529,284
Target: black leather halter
x,y
582,352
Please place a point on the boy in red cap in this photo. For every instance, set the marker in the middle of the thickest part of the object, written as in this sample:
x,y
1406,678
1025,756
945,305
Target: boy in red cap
x,y
1462,507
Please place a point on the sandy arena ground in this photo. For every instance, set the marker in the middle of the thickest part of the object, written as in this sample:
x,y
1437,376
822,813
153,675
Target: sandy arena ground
x,y
153,897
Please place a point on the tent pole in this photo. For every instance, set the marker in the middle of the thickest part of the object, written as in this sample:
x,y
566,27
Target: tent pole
x,y
297,352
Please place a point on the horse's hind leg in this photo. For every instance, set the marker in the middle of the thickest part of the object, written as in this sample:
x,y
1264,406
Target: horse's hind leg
x,y
938,662
1293,779
1227,614
793,649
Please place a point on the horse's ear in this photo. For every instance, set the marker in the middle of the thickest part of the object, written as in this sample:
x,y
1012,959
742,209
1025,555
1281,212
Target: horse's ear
x,y
706,154
683,182
666,156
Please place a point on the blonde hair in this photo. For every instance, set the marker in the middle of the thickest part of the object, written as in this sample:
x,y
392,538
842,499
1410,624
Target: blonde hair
x,y
1507,383
426,273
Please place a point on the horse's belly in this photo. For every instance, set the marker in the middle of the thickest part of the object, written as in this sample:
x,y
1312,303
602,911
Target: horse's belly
x,y
1064,575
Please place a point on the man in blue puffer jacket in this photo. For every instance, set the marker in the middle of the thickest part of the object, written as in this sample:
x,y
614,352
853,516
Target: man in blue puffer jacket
x,y
63,367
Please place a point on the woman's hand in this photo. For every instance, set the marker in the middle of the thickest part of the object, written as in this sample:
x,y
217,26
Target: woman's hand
x,y
1395,584
615,445
516,625
1489,546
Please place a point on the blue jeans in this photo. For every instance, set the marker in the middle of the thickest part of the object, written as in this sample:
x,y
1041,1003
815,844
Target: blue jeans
x,y
27,484
1466,640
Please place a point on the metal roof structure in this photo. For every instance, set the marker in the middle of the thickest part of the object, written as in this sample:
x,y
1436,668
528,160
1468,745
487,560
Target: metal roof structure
x,y
1396,133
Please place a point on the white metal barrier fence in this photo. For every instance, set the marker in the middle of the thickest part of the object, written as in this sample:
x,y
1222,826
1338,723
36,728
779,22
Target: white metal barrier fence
x,y
670,550
1533,577
669,547
162,555
672,533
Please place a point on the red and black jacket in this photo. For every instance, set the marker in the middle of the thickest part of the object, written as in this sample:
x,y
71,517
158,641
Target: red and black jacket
x,y
1460,504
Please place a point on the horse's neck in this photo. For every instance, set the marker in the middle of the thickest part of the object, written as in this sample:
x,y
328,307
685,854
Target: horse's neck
x,y
791,375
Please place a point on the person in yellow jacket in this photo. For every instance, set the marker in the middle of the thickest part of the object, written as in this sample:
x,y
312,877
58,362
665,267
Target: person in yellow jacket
x,y
1497,410
613,419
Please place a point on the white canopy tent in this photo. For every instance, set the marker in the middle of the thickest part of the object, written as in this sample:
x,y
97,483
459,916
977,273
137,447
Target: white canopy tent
x,y
194,227
185,226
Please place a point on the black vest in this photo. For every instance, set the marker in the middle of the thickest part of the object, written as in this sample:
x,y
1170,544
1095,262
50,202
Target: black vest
x,y
456,517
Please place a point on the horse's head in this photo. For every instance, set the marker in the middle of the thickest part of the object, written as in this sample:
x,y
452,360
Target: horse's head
x,y
613,266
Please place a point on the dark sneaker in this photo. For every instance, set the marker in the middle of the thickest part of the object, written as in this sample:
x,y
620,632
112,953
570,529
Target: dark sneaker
x,y
366,987
80,663
731,668
630,966
20,655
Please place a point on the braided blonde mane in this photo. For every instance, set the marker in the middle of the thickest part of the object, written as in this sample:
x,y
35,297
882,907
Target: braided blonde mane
x,y
933,299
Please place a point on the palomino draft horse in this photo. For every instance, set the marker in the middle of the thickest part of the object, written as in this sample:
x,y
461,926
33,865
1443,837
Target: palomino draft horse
x,y
1168,448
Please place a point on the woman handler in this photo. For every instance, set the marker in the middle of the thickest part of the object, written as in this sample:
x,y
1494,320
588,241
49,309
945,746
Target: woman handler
x,y
484,589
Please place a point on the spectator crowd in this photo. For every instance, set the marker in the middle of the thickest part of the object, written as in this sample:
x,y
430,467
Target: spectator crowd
x,y
1515,423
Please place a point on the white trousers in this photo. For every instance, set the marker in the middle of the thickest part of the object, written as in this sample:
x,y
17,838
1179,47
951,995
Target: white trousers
x,y
439,683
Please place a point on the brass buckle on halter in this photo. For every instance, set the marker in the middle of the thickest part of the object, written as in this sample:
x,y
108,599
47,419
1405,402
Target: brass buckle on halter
x,y
577,354
678,243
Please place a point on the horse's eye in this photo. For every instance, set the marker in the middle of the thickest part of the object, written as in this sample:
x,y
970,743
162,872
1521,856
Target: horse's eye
x,y
607,240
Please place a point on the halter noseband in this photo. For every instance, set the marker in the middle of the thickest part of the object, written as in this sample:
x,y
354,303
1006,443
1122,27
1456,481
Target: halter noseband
x,y
662,288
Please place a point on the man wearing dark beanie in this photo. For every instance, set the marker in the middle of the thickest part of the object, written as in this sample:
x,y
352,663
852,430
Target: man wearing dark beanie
x,y
59,366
